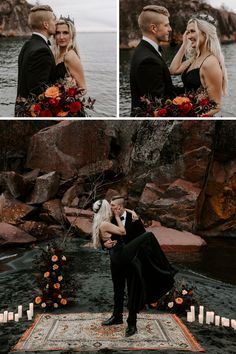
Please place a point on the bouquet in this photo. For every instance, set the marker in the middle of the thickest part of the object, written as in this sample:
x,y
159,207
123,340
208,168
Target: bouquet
x,y
190,104
56,284
60,100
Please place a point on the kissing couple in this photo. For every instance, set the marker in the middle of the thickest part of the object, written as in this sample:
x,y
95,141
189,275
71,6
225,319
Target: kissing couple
x,y
136,258
42,63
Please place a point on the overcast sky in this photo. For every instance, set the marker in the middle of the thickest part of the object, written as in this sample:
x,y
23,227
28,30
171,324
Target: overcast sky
x,y
89,15
230,4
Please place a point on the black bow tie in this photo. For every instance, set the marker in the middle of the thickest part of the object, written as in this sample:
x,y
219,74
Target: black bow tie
x,y
48,42
122,218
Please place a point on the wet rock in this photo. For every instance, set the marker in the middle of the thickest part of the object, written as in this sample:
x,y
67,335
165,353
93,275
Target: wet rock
x,y
37,229
82,224
54,210
13,183
70,198
10,234
45,188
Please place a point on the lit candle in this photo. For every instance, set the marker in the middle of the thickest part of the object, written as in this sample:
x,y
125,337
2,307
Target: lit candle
x,y
233,324
190,317
200,318
20,311
29,315
10,316
192,309
208,317
1,317
225,322
31,308
212,316
5,316
217,320
201,310
16,317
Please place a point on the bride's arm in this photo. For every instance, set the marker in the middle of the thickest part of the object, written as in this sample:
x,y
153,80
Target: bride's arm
x,y
134,214
75,68
108,227
177,65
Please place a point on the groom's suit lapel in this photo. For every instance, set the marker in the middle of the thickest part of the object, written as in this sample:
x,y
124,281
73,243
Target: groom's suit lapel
x,y
150,47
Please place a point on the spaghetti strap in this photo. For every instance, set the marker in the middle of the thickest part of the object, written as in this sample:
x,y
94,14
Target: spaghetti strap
x,y
204,60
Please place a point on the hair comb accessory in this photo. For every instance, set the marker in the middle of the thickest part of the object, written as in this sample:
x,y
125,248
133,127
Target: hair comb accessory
x,y
205,17
98,205
66,19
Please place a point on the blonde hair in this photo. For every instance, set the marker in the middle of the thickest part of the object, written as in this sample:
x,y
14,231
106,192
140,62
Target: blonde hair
x,y
39,14
212,43
149,16
72,45
102,212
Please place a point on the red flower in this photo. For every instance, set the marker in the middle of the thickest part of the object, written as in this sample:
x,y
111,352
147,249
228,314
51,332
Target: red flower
x,y
45,113
75,107
204,102
54,101
186,107
37,108
162,112
71,91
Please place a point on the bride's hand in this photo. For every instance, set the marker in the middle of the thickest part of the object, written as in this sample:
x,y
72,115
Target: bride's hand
x,y
135,216
185,39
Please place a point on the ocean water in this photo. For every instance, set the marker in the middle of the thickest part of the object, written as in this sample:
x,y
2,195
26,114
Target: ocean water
x,y
98,55
228,102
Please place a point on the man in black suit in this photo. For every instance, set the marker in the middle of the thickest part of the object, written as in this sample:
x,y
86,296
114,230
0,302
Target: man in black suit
x,y
36,63
133,229
149,74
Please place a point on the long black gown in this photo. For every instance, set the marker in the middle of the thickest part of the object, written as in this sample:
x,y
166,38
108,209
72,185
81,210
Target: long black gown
x,y
191,79
150,275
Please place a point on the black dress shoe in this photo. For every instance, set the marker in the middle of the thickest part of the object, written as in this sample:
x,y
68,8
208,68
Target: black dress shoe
x,y
130,331
112,321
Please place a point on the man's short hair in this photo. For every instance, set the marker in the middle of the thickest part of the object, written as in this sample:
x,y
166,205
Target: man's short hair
x,y
119,199
38,14
148,16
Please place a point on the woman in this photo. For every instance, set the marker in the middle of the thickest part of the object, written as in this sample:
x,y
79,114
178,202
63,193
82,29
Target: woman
x,y
66,53
205,66
152,275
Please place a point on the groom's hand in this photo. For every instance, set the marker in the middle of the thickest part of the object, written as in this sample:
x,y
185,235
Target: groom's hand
x,y
110,243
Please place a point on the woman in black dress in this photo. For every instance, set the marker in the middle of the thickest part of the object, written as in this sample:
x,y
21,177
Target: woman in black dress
x,y
65,49
204,68
151,275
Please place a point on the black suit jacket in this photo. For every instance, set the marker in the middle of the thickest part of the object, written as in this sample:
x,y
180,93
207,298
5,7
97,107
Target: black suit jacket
x,y
133,228
149,75
36,67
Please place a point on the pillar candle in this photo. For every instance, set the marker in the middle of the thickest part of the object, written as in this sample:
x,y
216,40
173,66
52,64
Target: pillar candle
x,y
201,310
31,308
192,309
190,317
225,322
10,316
5,316
16,317
29,315
212,316
1,317
20,311
233,324
217,320
208,317
200,318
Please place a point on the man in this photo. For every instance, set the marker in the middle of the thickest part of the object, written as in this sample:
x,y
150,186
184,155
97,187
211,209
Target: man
x,y
36,63
149,74
133,229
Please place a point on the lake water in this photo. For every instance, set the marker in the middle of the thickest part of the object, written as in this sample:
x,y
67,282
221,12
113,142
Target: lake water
x,y
228,102
98,54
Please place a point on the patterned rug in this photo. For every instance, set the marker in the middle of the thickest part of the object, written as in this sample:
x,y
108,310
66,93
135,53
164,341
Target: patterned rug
x,y
83,332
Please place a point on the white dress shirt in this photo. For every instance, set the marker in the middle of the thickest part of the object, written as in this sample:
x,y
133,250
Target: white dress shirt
x,y
154,44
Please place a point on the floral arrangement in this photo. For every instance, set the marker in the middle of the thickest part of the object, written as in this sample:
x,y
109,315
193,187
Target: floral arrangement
x,y
56,284
191,104
178,299
60,100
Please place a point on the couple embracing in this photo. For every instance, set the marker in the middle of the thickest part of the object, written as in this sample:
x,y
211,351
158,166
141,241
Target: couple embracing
x,y
42,63
199,59
135,258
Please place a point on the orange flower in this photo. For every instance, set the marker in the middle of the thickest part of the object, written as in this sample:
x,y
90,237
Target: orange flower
x,y
62,114
63,301
52,92
180,100
54,258
179,300
38,300
60,278
46,274
56,286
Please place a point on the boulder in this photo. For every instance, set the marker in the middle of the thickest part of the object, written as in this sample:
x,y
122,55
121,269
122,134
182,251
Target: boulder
x,y
82,224
12,211
45,188
13,183
10,234
55,211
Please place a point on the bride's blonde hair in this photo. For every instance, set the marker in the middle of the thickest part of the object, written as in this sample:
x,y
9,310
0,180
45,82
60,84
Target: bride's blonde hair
x,y
212,43
102,212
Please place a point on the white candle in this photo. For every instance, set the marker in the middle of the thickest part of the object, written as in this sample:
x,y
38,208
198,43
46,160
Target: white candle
x,y
208,317
212,316
200,318
5,316
1,317
192,309
29,315
31,308
190,317
16,317
20,311
233,324
225,322
217,320
201,310
10,316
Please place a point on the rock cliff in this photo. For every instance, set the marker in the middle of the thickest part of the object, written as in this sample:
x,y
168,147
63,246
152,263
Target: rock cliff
x,y
14,18
179,173
180,12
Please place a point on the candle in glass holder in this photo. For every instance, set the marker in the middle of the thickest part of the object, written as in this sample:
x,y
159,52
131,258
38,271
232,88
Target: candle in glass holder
x,y
20,311
217,320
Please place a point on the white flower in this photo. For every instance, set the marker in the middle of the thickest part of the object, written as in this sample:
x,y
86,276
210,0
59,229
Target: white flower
x,y
43,304
170,304
55,305
184,292
63,258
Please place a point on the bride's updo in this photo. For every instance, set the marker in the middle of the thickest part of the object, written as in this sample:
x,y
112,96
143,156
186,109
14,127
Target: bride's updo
x,y
102,212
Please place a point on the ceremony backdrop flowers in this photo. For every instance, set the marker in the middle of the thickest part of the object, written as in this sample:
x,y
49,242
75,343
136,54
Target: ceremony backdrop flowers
x,y
60,100
190,104
56,285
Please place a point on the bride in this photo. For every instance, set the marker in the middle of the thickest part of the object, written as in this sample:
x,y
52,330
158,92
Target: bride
x,y
204,66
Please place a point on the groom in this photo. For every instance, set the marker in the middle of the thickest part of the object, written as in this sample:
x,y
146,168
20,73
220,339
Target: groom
x,y
36,64
149,74
119,274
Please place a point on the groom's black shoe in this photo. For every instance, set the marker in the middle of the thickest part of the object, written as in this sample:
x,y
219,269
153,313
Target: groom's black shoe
x,y
130,330
113,320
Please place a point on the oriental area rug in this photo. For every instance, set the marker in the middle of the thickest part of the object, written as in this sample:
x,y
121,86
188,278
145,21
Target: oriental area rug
x,y
84,332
